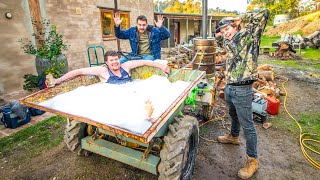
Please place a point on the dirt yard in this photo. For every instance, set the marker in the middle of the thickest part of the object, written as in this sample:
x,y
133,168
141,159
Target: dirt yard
x,y
279,153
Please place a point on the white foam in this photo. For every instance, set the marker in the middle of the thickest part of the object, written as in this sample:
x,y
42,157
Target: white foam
x,y
120,105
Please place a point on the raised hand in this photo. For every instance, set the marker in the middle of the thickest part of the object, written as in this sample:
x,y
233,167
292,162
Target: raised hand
x,y
116,19
159,22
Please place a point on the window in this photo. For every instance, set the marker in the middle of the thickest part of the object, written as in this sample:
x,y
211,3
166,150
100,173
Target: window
x,y
107,24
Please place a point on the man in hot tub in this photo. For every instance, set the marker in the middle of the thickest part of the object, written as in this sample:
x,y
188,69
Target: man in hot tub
x,y
114,73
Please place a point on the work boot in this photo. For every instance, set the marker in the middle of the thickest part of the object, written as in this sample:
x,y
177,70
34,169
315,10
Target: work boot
x,y
229,139
249,169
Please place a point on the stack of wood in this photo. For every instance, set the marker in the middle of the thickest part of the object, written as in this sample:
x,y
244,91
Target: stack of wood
x,y
313,40
266,82
285,47
177,57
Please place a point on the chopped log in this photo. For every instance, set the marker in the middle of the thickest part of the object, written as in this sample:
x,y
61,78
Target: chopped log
x,y
277,92
316,41
269,75
221,94
282,93
265,67
267,90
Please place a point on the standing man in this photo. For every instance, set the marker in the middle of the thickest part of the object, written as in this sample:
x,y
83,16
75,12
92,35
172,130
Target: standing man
x,y
242,40
144,39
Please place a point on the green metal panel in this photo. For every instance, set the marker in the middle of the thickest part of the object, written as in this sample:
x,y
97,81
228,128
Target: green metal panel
x,y
120,153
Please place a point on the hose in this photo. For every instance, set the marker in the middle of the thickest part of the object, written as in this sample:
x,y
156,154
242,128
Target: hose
x,y
302,135
219,117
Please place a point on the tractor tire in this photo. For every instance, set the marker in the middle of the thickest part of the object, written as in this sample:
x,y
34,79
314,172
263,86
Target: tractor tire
x,y
180,149
74,132
206,112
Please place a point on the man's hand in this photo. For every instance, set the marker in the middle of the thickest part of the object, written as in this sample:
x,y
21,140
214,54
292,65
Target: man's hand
x,y
159,22
234,19
116,19
165,68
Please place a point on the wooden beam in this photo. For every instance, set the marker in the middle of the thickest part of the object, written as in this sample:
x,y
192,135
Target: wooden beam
x,y
115,10
35,14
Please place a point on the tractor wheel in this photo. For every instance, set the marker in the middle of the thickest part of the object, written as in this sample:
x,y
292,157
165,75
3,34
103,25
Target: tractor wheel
x,y
74,132
180,149
206,112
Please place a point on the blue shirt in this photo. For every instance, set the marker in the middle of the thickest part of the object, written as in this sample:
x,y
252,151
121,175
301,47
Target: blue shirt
x,y
113,79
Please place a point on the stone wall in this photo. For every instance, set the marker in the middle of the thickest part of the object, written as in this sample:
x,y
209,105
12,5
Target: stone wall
x,y
80,30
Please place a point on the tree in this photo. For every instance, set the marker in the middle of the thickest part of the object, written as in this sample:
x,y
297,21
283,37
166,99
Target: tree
x,y
188,7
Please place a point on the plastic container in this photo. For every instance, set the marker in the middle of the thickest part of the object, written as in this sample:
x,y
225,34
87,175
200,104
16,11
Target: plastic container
x,y
12,121
273,105
259,105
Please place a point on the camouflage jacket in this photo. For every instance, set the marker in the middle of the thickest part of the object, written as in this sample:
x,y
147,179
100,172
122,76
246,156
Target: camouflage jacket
x,y
243,48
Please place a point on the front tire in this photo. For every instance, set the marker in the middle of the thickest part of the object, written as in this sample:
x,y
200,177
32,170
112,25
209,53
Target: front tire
x,y
180,149
74,132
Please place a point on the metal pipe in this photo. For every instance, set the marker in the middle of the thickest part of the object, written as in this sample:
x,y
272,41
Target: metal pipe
x,y
204,18
169,31
210,27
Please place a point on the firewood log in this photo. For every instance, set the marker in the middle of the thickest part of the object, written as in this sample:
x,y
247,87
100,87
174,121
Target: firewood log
x,y
269,75
267,90
265,67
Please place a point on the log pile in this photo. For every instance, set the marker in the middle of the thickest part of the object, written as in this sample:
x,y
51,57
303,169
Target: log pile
x,y
265,84
177,57
286,45
313,40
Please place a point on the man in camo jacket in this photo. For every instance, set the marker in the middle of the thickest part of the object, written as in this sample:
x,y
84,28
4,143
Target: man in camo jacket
x,y
241,38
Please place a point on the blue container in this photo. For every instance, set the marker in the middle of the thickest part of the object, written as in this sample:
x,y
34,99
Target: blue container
x,y
259,105
13,121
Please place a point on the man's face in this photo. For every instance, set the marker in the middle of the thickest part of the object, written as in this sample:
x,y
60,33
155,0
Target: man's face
x,y
228,31
113,62
142,26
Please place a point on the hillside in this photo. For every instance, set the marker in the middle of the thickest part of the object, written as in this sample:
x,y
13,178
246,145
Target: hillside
x,y
304,25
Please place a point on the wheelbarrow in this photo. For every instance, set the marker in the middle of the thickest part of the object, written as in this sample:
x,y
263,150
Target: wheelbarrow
x,y
167,149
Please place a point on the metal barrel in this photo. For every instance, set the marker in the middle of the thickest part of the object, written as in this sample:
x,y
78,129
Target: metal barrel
x,y
205,61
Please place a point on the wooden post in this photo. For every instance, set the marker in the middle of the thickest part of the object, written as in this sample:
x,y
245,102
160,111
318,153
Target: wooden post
x,y
35,14
187,28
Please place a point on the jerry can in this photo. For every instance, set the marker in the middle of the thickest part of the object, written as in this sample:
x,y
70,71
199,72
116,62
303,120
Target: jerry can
x,y
273,106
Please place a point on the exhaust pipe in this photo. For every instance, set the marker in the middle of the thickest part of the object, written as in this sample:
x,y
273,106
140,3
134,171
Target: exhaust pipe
x,y
204,18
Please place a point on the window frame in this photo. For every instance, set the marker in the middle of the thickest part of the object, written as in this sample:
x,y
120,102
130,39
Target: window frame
x,y
111,11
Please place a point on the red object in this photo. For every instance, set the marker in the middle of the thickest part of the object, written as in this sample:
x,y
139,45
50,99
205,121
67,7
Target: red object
x,y
273,105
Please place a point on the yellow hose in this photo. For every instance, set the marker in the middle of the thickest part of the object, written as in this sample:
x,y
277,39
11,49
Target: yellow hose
x,y
302,139
219,117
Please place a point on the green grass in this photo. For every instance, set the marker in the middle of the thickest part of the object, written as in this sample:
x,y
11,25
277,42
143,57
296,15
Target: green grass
x,y
295,64
310,123
267,41
34,139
